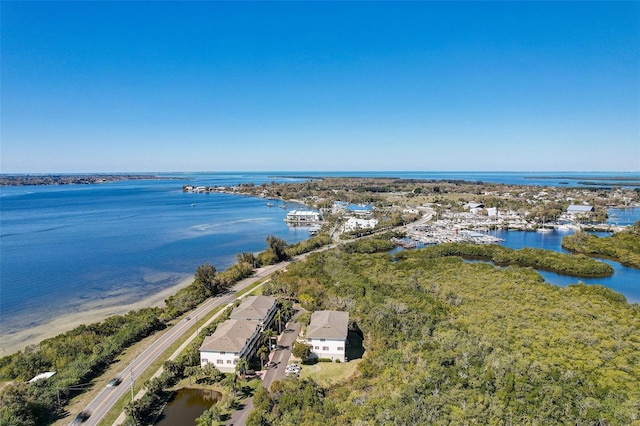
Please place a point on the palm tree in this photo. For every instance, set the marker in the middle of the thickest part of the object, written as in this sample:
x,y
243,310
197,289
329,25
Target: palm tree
x,y
242,366
232,382
269,334
287,309
278,318
263,354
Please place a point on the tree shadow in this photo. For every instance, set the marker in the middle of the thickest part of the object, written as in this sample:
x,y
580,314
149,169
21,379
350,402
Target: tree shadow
x,y
354,349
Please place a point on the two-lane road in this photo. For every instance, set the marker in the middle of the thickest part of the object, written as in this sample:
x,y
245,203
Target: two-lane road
x,y
105,400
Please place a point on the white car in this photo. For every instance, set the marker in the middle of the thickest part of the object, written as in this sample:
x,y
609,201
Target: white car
x,y
295,369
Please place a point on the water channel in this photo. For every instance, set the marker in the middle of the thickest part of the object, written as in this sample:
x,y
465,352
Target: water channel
x,y
624,280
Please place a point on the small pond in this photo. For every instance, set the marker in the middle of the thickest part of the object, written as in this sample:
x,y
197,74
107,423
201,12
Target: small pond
x,y
186,406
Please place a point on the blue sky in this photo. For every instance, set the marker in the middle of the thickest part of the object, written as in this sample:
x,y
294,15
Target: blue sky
x,y
427,86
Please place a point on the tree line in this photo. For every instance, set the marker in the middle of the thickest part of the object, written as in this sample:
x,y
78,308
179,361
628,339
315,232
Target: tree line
x,y
623,247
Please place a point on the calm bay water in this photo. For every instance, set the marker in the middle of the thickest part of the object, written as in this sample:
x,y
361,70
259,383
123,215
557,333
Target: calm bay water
x,y
624,280
77,247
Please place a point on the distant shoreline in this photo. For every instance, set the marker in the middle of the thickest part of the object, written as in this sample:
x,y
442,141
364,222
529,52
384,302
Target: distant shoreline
x,y
71,179
568,177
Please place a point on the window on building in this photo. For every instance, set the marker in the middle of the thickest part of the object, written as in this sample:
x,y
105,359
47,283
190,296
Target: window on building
x,y
316,347
340,348
322,340
222,353
325,348
228,361
235,361
219,361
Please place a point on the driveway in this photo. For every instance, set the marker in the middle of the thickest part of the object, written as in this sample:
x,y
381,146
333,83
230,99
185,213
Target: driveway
x,y
280,357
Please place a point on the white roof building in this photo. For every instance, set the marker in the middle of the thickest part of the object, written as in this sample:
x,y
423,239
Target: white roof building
x,y
355,223
303,216
577,209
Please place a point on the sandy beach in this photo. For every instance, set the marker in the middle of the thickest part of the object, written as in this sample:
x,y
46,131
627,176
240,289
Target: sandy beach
x,y
15,342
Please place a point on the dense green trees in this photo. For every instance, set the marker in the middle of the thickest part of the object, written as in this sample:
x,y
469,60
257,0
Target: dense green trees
x,y
274,253
301,350
291,403
623,246
577,266
308,245
450,342
206,275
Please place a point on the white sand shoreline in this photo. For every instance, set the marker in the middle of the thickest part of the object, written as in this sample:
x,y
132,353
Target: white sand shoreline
x,y
17,341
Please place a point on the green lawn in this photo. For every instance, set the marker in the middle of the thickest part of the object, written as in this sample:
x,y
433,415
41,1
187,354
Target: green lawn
x,y
328,373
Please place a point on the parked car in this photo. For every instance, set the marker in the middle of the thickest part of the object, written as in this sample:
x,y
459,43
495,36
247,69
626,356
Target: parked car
x,y
81,417
292,368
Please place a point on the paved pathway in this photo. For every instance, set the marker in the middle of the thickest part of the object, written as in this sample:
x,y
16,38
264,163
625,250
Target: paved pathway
x,y
280,357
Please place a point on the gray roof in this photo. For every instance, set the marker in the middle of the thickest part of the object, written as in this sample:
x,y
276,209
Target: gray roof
x,y
578,208
253,308
230,336
328,325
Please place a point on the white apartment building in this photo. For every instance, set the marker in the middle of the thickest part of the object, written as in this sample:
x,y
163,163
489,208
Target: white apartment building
x,y
232,340
256,308
353,224
327,334
239,336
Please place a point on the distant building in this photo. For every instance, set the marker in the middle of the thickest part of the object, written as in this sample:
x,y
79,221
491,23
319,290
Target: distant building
x,y
256,308
232,340
574,209
361,210
472,205
303,216
327,334
474,208
353,224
